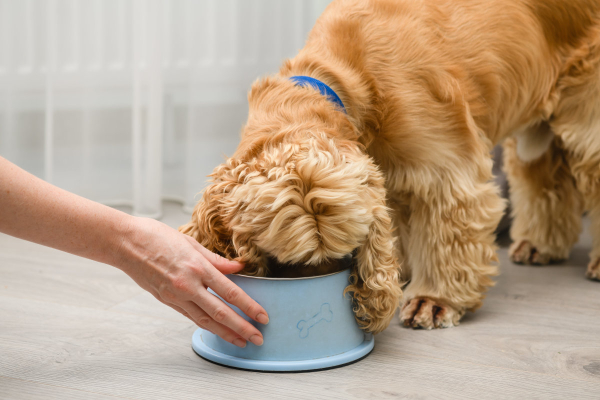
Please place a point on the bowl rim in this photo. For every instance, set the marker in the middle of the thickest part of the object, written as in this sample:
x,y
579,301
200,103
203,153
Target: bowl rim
x,y
290,279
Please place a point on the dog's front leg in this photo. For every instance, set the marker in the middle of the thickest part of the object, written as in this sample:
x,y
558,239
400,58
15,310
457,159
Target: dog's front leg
x,y
451,250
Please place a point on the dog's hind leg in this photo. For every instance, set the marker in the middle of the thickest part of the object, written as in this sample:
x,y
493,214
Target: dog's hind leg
x,y
584,160
546,205
577,122
581,136
592,200
593,269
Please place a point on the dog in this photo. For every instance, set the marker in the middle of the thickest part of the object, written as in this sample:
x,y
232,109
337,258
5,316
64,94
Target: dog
x,y
400,174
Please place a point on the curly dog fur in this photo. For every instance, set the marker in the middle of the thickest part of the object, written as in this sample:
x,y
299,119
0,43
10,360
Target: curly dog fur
x,y
404,178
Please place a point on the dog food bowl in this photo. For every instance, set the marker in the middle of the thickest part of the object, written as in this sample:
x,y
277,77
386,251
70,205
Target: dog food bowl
x,y
311,326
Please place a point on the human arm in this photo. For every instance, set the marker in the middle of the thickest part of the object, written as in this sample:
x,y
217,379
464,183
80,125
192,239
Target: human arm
x,y
171,266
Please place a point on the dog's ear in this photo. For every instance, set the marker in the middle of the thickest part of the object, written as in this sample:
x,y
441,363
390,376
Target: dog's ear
x,y
214,220
207,226
375,280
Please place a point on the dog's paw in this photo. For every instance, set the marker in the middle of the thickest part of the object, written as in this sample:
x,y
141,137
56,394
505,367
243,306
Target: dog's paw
x,y
427,313
523,252
593,270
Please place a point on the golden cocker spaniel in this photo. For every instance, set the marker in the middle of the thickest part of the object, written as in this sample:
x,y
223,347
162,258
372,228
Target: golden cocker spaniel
x,y
402,176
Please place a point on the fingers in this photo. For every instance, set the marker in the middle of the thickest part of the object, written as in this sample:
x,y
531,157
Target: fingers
x,y
212,313
232,294
221,263
202,319
222,314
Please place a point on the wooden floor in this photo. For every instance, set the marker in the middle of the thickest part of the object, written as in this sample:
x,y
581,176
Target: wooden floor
x,y
72,328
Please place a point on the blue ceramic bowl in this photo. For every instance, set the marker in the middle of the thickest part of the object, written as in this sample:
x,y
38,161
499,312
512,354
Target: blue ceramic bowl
x,y
311,326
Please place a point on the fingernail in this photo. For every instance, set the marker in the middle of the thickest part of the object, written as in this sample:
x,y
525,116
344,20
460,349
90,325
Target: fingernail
x,y
240,342
257,340
262,318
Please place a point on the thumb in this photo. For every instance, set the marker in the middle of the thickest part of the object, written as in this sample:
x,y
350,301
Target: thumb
x,y
224,265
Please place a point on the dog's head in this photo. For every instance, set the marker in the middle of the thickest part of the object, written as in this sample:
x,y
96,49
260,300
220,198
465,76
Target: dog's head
x,y
299,201
303,196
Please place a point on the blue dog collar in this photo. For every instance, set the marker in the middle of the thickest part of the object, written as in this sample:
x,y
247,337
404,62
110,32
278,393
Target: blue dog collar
x,y
321,87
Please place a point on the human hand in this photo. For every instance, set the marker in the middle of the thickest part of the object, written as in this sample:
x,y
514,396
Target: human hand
x,y
177,270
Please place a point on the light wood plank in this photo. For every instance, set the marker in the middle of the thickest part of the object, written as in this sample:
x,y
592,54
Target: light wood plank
x,y
29,271
144,304
19,389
